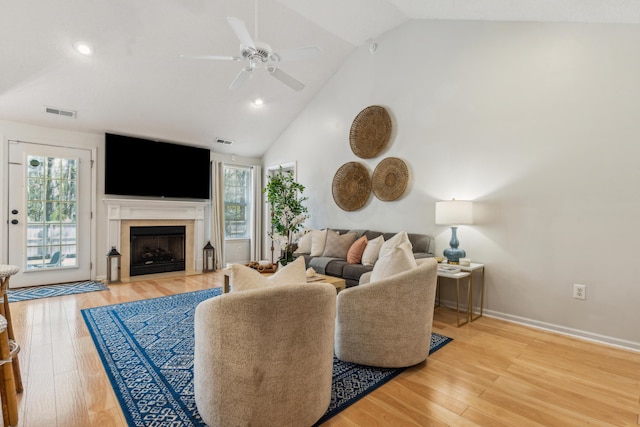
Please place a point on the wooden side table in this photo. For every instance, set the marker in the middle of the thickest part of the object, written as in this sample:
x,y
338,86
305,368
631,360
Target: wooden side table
x,y
6,271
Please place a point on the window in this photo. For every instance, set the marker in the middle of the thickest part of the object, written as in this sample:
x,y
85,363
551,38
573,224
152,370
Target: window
x,y
237,202
51,212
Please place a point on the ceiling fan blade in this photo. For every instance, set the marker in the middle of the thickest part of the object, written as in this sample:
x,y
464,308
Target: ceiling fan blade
x,y
299,54
241,32
242,77
285,78
216,57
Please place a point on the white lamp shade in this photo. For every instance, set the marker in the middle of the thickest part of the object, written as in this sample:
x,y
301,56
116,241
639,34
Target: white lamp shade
x,y
454,212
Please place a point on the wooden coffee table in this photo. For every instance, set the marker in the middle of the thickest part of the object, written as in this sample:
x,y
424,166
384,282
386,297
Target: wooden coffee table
x,y
339,283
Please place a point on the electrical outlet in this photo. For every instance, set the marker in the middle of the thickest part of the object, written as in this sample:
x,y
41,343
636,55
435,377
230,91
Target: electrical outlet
x,y
579,291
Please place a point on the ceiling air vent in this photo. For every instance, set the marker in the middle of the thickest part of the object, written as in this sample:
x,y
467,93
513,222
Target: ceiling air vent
x,y
223,141
60,112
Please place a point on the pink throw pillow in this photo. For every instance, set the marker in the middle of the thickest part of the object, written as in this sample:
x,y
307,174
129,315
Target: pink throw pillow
x,y
354,255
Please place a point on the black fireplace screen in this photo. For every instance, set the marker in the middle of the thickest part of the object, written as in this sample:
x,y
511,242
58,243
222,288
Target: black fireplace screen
x,y
157,249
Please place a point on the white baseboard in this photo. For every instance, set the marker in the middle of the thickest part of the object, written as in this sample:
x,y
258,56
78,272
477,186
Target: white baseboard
x,y
576,333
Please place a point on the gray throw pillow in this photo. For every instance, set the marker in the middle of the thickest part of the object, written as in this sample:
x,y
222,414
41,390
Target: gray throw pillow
x,y
337,246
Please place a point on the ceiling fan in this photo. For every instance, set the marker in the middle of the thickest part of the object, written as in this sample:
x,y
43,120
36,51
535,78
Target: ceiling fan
x,y
260,55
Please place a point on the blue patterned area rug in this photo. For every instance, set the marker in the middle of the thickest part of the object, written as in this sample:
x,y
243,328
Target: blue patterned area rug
x,y
147,351
35,292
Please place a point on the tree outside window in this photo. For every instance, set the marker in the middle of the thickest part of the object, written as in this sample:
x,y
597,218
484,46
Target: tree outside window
x,y
51,211
237,202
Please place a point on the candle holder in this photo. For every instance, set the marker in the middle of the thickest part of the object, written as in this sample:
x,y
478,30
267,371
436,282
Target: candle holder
x,y
208,258
113,266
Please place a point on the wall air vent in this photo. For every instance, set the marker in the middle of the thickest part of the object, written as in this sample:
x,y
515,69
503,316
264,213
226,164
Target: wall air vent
x,y
223,141
60,112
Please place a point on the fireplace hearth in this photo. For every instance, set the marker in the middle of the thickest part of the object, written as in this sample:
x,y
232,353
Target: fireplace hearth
x,y
156,249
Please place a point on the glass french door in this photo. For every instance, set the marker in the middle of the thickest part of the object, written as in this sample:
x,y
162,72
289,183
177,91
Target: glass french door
x,y
49,214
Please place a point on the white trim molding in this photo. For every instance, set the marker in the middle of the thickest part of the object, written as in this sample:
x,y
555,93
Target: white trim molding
x,y
558,329
576,333
119,210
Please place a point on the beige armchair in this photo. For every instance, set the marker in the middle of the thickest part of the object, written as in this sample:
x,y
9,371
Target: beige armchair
x,y
388,323
264,357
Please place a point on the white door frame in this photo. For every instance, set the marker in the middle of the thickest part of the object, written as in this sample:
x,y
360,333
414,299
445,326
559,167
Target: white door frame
x,y
4,200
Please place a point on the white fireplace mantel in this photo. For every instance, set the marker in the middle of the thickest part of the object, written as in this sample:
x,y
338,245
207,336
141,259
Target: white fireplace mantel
x,y
119,210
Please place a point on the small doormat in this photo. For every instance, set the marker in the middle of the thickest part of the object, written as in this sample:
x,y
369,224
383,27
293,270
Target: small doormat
x,y
35,292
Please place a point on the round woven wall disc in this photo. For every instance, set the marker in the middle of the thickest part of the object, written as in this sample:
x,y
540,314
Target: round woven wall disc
x,y
390,179
370,132
351,186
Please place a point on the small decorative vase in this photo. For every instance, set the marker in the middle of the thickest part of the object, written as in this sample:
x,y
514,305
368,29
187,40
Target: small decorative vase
x,y
287,256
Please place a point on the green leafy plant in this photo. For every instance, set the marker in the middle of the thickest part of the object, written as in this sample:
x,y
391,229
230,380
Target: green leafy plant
x,y
284,196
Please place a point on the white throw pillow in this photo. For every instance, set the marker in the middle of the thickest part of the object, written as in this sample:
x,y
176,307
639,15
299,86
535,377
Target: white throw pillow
x,y
318,240
372,251
242,277
397,240
396,256
304,244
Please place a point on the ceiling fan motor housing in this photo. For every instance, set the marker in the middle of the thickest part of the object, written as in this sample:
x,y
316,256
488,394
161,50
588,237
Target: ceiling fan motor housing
x,y
258,56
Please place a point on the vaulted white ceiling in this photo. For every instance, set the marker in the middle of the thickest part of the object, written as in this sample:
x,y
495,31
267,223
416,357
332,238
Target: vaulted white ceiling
x,y
136,83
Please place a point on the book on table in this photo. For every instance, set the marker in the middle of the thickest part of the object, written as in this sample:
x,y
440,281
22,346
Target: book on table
x,y
449,269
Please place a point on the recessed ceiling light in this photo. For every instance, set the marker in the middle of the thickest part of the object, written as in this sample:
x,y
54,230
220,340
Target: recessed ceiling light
x,y
83,47
258,102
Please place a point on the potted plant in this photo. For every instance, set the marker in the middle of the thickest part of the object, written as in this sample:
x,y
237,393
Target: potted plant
x,y
284,196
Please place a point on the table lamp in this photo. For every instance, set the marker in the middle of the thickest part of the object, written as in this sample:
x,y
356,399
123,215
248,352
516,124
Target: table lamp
x,y
454,212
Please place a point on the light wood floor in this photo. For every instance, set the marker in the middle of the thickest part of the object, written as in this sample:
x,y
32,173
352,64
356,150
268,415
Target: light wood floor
x,y
494,373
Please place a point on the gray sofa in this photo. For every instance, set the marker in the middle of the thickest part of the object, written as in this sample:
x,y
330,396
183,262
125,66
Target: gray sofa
x,y
423,246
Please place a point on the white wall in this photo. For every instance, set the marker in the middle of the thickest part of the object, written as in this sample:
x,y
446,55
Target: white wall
x,y
537,123
236,252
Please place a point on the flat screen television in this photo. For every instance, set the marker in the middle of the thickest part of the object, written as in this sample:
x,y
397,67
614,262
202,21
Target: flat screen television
x,y
143,167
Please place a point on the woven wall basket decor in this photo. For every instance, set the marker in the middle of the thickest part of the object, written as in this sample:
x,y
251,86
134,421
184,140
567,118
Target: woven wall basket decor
x,y
370,132
351,186
390,179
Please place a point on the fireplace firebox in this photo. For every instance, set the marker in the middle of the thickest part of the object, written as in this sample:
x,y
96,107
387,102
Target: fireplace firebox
x,y
157,249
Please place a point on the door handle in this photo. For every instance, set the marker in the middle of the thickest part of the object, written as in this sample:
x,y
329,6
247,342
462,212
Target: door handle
x,y
14,221
15,212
